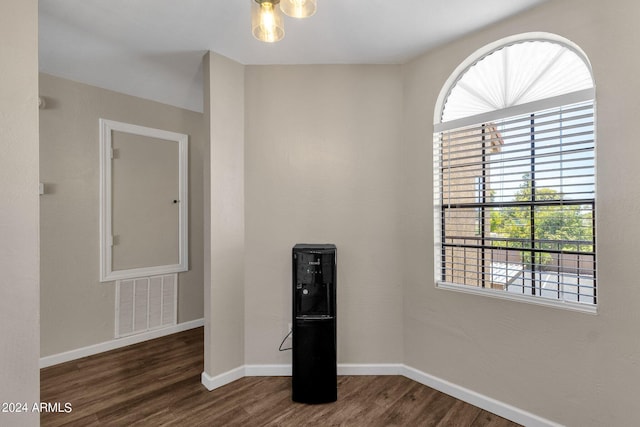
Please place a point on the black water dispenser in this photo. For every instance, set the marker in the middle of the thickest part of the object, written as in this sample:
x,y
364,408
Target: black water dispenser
x,y
314,374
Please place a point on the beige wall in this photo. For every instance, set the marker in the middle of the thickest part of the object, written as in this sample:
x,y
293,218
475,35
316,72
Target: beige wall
x,y
572,368
224,212
78,310
322,166
19,303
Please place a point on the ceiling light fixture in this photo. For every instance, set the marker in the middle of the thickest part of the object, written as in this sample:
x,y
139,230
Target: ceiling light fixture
x,y
266,19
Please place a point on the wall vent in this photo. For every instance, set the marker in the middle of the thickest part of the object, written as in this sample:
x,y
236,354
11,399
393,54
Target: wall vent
x,y
146,303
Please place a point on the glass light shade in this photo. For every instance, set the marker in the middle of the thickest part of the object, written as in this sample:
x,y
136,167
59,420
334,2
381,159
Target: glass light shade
x,y
298,8
266,21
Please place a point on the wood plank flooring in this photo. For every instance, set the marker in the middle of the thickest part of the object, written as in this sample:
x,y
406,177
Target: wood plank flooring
x,y
157,383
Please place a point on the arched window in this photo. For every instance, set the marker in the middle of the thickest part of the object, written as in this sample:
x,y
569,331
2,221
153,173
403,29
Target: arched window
x,y
515,174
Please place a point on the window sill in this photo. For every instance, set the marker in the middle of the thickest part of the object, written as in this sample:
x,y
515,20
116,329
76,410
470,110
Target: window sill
x,y
493,293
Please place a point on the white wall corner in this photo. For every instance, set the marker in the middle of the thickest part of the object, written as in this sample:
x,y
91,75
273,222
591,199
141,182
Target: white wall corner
x,y
497,407
212,383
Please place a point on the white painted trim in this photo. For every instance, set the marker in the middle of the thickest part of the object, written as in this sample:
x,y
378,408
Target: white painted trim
x,y
106,233
343,369
487,403
370,369
136,273
268,370
79,353
474,398
509,296
212,383
105,199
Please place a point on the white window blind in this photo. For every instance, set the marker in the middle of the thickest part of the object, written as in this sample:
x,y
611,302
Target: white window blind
x,y
517,204
516,74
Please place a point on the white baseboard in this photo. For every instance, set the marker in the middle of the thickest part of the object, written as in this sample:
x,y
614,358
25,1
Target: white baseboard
x,y
212,383
343,369
267,370
370,369
79,353
481,401
474,398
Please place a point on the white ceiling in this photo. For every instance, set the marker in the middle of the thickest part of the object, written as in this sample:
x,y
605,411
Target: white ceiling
x,y
153,48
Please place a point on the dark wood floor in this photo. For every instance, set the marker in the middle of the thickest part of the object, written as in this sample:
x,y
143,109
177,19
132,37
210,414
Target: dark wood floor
x,y
157,383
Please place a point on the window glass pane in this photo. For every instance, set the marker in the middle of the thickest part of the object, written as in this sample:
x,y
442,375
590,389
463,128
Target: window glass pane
x,y
517,201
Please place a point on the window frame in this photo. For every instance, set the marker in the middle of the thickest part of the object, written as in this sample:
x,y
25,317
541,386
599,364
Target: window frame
x,y
531,107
